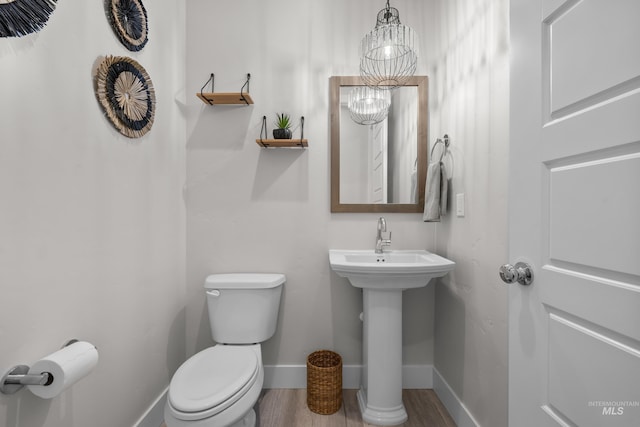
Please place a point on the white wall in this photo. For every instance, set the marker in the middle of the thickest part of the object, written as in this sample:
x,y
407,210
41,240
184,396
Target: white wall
x,y
470,102
92,224
251,209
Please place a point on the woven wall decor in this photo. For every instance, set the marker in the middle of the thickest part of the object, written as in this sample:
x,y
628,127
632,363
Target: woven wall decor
x,y
126,93
21,17
129,21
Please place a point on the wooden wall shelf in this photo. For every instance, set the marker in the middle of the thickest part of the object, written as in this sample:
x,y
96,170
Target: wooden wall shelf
x,y
282,143
236,98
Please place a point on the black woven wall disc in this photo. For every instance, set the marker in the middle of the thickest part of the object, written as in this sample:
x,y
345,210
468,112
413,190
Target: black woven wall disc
x,y
21,17
129,21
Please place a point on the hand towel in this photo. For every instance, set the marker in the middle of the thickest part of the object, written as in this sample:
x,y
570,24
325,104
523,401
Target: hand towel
x,y
432,196
435,201
444,189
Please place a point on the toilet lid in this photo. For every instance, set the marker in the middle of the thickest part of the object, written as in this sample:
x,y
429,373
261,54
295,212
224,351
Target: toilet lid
x,y
212,377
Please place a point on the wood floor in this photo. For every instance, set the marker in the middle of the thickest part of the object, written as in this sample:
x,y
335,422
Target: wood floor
x,y
288,408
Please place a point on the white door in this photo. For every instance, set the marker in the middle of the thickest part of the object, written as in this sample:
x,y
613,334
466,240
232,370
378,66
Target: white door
x,y
574,209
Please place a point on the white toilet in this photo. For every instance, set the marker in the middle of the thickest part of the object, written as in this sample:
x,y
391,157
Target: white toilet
x,y
219,386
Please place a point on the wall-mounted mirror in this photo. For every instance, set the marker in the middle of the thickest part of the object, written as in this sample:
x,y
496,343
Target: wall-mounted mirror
x,y
380,167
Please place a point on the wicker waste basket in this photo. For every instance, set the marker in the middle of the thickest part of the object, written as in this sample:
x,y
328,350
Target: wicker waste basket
x,y
324,382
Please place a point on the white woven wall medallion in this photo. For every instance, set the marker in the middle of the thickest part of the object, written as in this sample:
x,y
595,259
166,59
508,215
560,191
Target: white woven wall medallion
x,y
125,91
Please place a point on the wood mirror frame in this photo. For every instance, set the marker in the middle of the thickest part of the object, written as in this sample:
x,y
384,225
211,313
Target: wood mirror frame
x,y
421,82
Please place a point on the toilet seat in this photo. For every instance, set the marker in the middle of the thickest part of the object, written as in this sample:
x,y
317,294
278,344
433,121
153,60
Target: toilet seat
x,y
212,380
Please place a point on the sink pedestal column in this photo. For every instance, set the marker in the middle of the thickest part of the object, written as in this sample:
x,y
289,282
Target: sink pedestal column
x,y
380,396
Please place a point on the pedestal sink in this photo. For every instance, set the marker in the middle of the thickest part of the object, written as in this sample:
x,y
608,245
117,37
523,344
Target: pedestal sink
x,y
382,278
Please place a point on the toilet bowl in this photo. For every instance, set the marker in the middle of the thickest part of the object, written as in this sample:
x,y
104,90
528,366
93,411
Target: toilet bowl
x,y
219,386
195,400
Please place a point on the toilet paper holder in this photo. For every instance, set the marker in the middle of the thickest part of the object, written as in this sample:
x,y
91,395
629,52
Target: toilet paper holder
x,y
17,377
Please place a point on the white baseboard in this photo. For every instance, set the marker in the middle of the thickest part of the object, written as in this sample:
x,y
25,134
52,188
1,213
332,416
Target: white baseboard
x,y
295,376
452,402
154,416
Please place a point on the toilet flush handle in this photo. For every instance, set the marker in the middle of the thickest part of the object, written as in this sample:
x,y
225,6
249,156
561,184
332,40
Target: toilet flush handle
x,y
213,293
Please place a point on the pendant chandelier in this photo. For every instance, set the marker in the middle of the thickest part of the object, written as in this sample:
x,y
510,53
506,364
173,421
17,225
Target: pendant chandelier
x,y
389,52
368,106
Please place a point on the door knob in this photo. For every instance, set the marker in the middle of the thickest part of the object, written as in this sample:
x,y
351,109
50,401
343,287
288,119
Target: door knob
x,y
521,273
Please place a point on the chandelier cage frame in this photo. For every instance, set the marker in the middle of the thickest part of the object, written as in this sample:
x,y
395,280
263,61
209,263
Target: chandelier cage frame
x,y
368,106
389,52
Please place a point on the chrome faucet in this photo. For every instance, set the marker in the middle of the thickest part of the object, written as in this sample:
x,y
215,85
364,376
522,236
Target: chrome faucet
x,y
380,241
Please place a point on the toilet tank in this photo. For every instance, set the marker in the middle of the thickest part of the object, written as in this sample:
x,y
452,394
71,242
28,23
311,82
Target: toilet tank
x,y
243,307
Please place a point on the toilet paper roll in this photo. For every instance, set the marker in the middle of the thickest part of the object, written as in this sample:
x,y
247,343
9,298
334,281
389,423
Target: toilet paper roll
x,y
67,365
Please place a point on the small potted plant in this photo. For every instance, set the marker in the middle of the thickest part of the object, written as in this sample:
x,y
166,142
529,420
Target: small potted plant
x,y
283,127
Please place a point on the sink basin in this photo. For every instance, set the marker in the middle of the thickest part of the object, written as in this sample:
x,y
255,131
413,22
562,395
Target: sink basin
x,y
397,269
383,278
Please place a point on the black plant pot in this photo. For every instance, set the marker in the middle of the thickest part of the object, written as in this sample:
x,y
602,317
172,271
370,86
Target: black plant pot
x,y
282,133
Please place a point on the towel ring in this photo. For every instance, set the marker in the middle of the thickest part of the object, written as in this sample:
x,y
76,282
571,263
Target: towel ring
x,y
445,141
